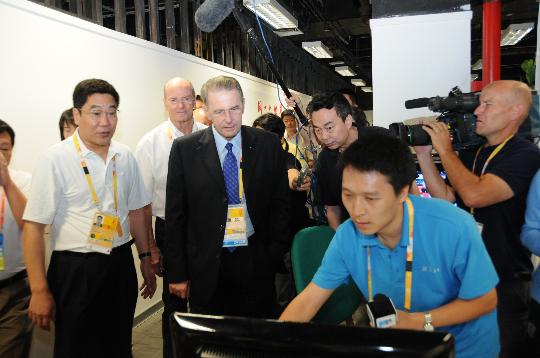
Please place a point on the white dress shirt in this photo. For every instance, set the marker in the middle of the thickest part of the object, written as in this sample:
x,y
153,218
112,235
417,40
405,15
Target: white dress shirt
x,y
13,258
152,154
60,194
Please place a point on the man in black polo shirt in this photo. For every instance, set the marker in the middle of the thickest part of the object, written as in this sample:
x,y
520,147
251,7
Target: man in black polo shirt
x,y
492,182
332,121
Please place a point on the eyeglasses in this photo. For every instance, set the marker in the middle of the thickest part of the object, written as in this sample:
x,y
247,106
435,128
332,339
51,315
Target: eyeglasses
x,y
233,112
96,114
183,100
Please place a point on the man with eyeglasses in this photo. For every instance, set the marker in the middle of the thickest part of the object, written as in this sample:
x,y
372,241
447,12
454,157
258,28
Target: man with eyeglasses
x,y
152,154
88,188
227,211
15,325
331,118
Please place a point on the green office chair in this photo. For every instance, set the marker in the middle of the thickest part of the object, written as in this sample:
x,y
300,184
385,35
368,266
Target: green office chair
x,y
308,248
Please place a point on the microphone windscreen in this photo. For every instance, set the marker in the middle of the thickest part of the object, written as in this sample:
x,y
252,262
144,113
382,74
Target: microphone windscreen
x,y
212,13
417,103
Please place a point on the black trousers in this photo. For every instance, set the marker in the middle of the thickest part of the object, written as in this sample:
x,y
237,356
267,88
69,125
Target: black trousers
x,y
171,303
240,292
95,298
513,317
535,321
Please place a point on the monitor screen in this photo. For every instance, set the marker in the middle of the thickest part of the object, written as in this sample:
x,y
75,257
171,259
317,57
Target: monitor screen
x,y
211,336
421,183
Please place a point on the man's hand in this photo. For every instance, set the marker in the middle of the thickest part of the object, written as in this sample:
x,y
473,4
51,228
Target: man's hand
x,y
406,320
148,286
306,185
4,172
180,289
42,309
440,137
294,100
155,260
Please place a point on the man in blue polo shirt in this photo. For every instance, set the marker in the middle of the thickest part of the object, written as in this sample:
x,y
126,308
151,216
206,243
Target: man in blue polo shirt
x,y
453,278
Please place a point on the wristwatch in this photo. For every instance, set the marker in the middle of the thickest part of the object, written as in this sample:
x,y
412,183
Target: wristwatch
x,y
428,327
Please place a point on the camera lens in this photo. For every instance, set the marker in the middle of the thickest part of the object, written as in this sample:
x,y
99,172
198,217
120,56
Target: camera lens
x,y
416,135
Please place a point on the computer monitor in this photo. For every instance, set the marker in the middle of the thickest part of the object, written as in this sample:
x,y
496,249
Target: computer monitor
x,y
212,336
421,183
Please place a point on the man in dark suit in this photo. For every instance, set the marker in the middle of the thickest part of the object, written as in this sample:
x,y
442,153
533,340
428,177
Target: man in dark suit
x,y
226,209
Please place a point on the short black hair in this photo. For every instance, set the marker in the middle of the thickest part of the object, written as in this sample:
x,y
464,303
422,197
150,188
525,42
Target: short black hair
x,y
271,123
66,118
4,127
286,113
329,100
351,93
377,151
86,88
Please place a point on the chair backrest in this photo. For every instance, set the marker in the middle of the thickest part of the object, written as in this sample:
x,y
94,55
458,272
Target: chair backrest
x,y
307,252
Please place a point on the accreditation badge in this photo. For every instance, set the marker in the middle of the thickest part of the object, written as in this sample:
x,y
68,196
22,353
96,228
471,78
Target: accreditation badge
x,y
235,228
2,261
480,227
101,236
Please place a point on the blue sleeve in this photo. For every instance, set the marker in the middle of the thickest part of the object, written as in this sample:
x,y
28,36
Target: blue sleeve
x,y
333,272
472,264
530,233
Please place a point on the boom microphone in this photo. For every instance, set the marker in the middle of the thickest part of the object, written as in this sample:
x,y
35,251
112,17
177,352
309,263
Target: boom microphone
x,y
417,103
212,13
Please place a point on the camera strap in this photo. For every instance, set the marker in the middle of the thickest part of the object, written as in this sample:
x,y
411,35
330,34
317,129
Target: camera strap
x,y
408,264
491,156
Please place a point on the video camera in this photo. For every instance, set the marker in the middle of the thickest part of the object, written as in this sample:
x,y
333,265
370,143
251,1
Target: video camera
x,y
456,111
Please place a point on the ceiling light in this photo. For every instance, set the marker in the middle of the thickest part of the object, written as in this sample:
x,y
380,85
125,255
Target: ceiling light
x,y
317,49
477,65
272,13
336,63
358,82
288,32
366,89
345,71
515,32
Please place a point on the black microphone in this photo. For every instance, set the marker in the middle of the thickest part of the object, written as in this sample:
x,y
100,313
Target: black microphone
x,y
381,311
417,103
212,13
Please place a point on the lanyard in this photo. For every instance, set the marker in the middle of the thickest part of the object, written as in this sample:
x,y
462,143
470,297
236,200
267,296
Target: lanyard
x,y
408,264
170,133
240,182
491,156
89,179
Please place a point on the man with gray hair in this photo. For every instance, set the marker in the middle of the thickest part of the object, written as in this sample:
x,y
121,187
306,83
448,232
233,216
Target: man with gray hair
x,y
227,208
152,154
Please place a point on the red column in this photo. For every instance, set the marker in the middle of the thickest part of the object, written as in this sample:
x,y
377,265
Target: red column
x,y
491,42
476,86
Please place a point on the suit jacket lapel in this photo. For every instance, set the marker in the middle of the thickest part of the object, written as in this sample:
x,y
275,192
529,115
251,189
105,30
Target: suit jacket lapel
x,y
249,155
210,158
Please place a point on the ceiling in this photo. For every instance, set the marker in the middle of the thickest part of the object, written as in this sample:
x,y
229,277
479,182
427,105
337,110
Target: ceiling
x,y
343,26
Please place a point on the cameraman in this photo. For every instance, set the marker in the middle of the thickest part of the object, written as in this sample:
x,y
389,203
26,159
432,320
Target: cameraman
x,y
492,182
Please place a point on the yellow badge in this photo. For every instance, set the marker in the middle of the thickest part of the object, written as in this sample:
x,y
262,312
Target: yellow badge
x,y
102,232
235,228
